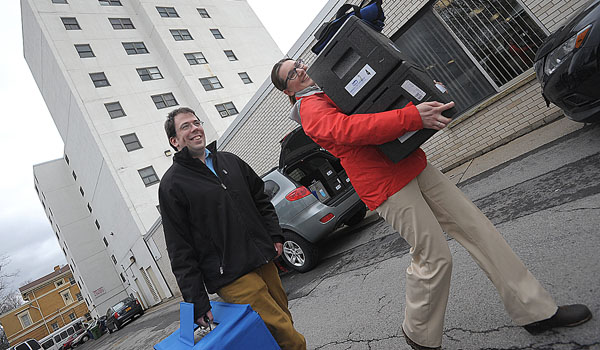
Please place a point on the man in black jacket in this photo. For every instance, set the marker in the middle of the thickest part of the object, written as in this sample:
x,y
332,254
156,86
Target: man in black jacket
x,y
221,230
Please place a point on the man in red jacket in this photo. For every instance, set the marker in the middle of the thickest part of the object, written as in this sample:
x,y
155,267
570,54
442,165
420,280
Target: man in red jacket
x,y
421,204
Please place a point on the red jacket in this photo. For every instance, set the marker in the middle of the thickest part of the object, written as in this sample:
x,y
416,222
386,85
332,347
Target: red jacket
x,y
353,139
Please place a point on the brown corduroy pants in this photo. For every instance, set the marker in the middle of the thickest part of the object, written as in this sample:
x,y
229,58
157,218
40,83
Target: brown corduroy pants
x,y
262,289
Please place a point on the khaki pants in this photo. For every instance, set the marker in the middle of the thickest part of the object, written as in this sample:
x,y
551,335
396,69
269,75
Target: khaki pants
x,y
421,211
262,289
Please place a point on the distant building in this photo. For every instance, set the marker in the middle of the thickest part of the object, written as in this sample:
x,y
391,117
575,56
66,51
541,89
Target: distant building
x,y
109,72
50,303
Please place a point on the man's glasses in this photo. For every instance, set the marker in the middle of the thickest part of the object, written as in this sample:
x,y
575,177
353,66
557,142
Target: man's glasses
x,y
293,74
185,126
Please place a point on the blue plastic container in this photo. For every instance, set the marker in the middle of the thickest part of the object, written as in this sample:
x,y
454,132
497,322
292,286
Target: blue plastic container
x,y
239,328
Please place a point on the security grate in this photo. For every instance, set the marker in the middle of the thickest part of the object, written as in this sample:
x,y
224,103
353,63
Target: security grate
x,y
500,34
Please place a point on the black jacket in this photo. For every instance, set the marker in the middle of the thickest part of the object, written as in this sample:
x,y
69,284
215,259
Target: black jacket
x,y
216,229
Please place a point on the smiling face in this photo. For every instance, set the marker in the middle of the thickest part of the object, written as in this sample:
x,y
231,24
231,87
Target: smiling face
x,y
300,82
189,133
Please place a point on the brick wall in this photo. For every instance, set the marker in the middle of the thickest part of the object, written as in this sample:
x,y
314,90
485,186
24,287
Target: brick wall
x,y
505,116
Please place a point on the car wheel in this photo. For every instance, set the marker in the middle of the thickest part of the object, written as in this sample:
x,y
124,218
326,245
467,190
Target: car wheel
x,y
298,253
109,330
357,218
85,338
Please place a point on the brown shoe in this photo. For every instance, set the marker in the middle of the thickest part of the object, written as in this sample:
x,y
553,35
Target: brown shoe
x,y
416,346
565,316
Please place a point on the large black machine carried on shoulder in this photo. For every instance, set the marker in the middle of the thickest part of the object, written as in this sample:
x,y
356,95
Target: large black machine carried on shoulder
x,y
363,71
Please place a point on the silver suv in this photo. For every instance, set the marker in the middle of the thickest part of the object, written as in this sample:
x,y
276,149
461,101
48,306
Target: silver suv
x,y
312,196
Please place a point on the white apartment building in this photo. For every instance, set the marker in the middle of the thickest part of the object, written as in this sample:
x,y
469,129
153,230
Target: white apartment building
x,y
109,72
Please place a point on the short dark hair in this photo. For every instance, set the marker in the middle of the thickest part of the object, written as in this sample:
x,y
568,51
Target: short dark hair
x,y
277,81
170,122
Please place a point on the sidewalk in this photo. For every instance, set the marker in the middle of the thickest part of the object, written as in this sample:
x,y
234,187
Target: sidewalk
x,y
514,149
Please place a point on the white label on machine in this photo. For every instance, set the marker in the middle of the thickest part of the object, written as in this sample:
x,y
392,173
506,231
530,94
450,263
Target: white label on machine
x,y
414,90
406,136
360,80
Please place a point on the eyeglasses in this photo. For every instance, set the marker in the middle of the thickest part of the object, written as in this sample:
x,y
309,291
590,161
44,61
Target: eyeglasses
x,y
186,126
293,74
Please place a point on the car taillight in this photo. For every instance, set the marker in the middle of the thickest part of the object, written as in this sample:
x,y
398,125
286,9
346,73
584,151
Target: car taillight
x,y
116,315
326,218
298,193
137,302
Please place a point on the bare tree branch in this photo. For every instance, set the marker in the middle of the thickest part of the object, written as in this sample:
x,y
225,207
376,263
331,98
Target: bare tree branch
x,y
9,299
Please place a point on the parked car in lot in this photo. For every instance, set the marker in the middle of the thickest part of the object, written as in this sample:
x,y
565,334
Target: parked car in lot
x,y
568,65
312,197
123,311
76,339
29,344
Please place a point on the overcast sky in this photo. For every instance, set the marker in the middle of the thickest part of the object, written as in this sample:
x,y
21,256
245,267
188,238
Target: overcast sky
x,y
28,136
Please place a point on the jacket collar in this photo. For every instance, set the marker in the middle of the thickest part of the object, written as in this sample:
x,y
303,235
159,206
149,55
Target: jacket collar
x,y
311,90
295,112
184,157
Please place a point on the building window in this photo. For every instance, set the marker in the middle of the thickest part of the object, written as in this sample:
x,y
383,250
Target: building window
x,y
66,158
203,13
89,207
84,50
81,191
79,296
245,78
25,319
164,100
131,142
135,48
149,73
226,109
105,241
181,34
99,79
67,298
114,260
70,23
58,283
194,58
97,224
217,34
59,1
149,176
54,326
230,55
121,23
474,50
167,11
114,110
72,316
74,175
122,277
71,280
503,39
110,2
211,83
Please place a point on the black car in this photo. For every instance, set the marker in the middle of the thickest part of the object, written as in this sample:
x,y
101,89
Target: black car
x,y
122,312
568,65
